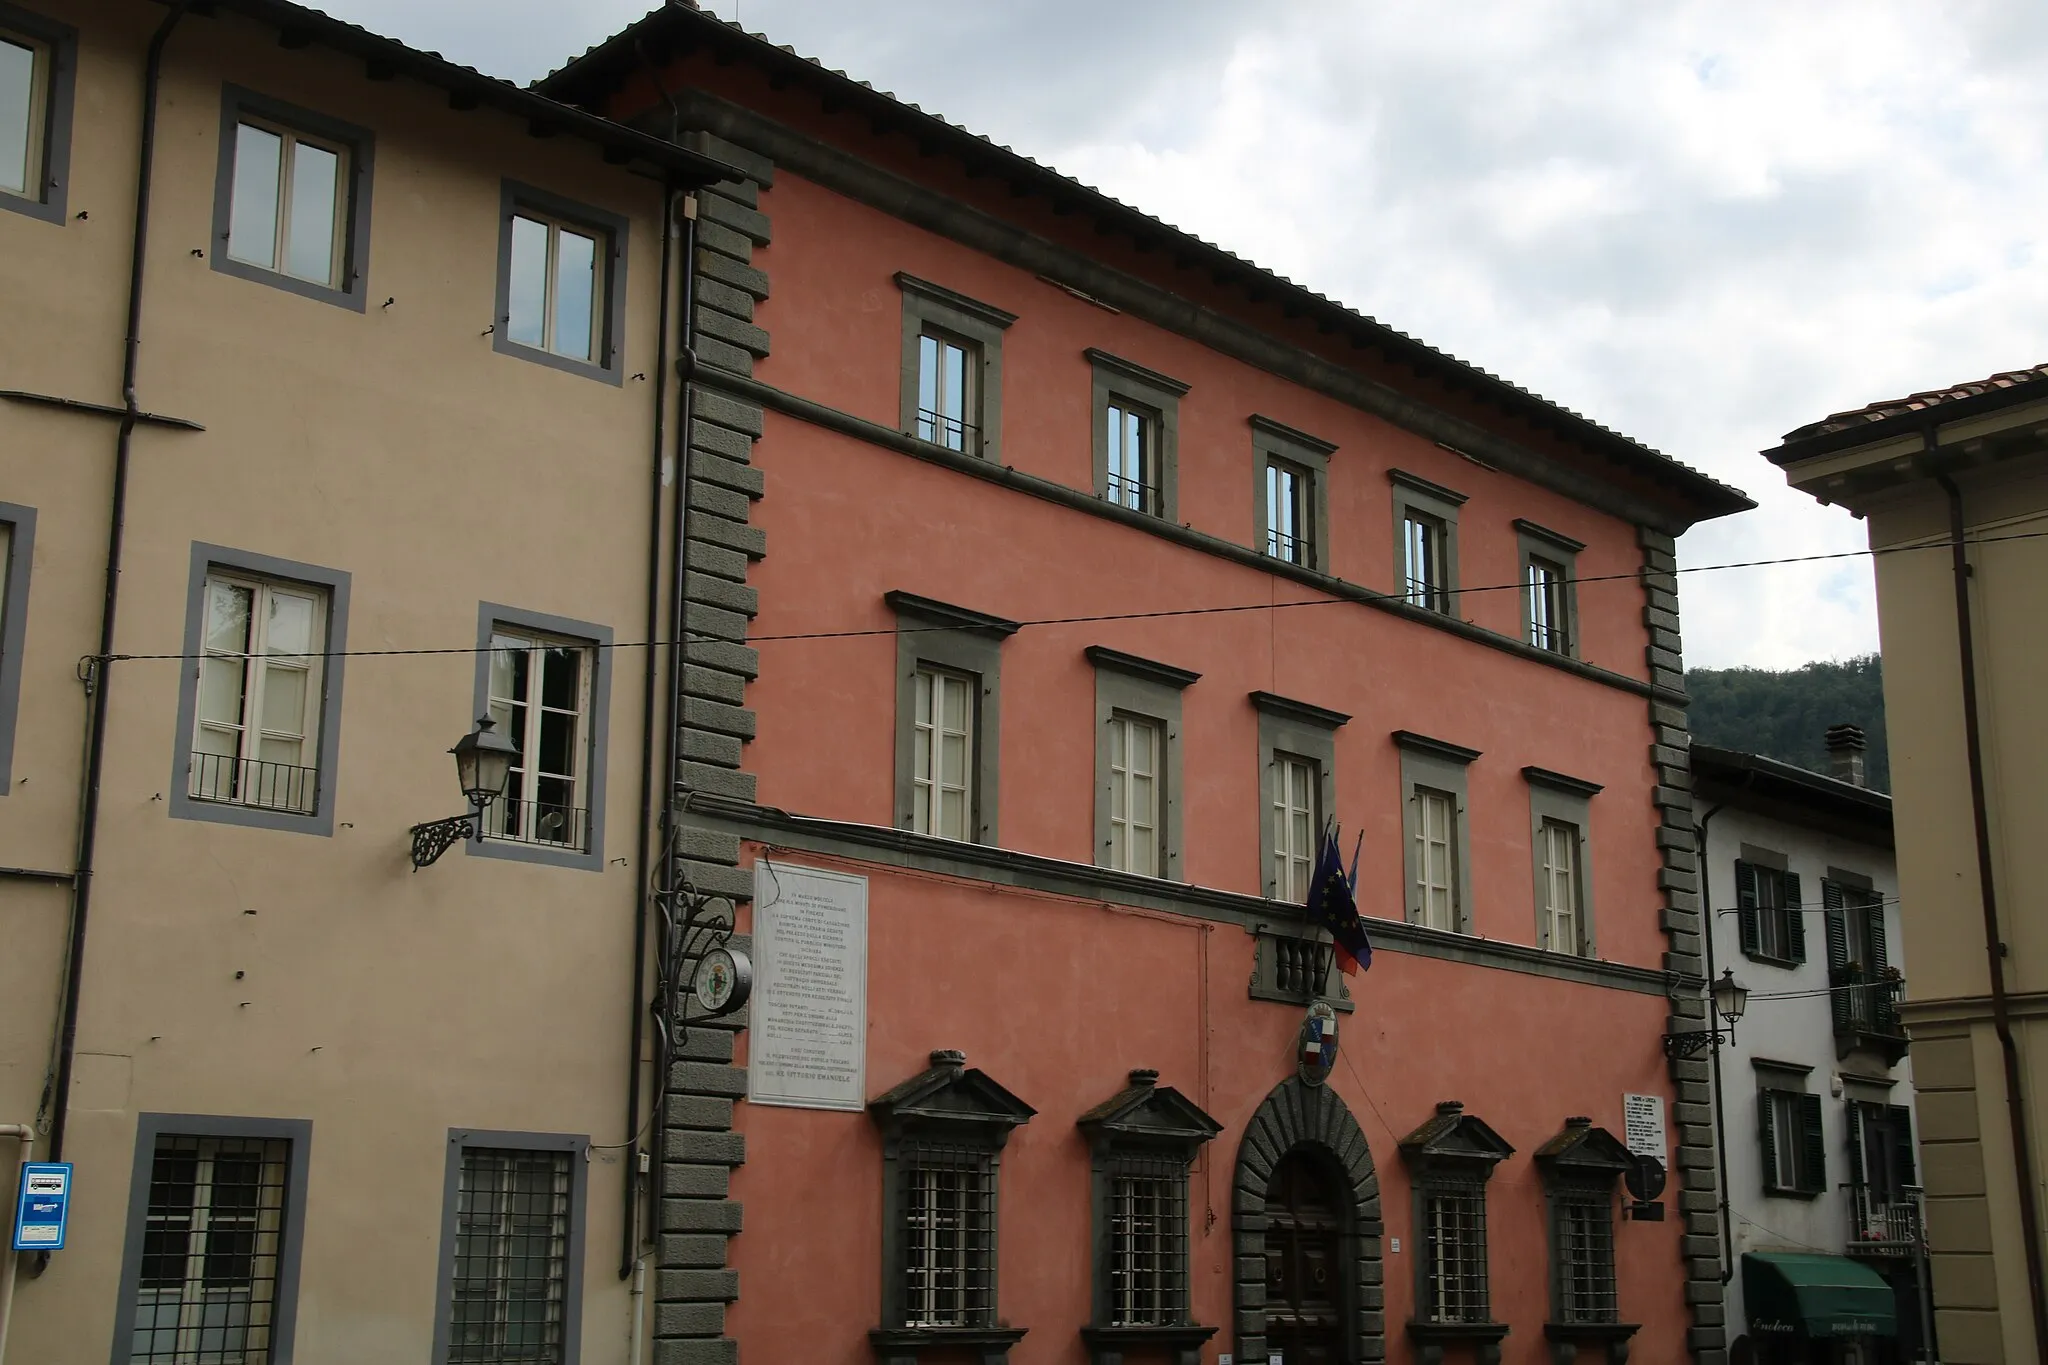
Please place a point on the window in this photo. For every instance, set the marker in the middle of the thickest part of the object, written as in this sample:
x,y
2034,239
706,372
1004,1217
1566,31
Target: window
x,y
17,559
1436,848
1880,1174
943,767
255,741
1426,541
1422,547
540,699
210,1272
259,707
1863,989
1769,922
1148,1256
561,283
1794,1147
1297,821
1290,495
511,1281
1451,1157
1137,762
1438,858
1560,815
1579,1168
291,206
952,368
1550,595
948,717
947,410
38,59
1560,853
1137,424
1585,1256
943,1132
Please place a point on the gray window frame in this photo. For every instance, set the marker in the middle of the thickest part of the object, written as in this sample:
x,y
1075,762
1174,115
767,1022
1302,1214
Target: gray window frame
x,y
1152,394
598,639
1414,495
148,1128
49,201
235,101
980,325
21,553
1568,801
1296,729
1540,542
578,1147
1128,685
335,583
959,640
1438,765
1310,455
514,195
1791,908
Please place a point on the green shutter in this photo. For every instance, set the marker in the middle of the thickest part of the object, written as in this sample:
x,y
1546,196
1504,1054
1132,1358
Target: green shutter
x,y
1813,1147
1795,919
1766,1123
1902,1144
1854,1111
1880,958
1745,905
1838,952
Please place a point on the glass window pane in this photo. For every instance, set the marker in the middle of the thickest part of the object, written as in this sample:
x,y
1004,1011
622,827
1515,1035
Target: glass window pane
x,y
953,760
927,386
227,617
316,187
288,628
953,815
953,393
557,743
284,699
508,673
17,115
956,704
562,677
575,294
252,208
526,291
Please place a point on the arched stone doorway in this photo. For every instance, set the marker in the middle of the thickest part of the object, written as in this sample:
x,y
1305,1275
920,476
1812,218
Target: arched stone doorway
x,y
1306,1218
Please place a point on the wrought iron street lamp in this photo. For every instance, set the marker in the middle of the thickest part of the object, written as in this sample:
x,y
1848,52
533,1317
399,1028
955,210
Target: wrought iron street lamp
x,y
483,762
1731,999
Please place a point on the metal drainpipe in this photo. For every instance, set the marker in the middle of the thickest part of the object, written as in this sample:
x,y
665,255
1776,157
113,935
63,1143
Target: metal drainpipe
x,y
1720,1103
642,886
97,670
1994,941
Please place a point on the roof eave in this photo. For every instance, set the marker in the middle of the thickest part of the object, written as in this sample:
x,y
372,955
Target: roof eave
x,y
589,76
1732,772
1796,448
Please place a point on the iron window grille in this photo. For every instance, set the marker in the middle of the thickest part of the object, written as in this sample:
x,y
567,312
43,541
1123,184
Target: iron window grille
x,y
947,406
1769,922
540,699
1290,513
1422,552
1148,1233
948,1229
1584,1236
1451,1157
1133,460
213,1232
1454,1245
1549,607
511,1257
258,711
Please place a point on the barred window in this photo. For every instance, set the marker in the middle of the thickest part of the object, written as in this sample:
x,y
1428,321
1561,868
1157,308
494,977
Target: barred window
x,y
511,1257
212,1238
948,1234
1148,1242
1584,1234
1454,1246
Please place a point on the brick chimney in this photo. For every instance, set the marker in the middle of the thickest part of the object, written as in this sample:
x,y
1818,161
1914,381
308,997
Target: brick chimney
x,y
1845,753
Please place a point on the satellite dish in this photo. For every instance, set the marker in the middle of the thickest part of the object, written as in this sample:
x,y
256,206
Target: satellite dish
x,y
1645,1179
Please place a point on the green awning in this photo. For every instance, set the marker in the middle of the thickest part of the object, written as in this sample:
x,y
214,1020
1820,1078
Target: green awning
x,y
1816,1297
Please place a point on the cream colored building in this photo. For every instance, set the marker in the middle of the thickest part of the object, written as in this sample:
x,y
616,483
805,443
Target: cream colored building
x,y
1954,486
395,397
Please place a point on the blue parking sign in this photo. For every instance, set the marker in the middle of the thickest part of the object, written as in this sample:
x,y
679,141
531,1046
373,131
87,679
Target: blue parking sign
x,y
44,1206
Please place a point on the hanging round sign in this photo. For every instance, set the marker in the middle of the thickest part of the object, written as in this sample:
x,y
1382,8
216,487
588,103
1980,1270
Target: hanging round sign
x,y
724,978
1317,1053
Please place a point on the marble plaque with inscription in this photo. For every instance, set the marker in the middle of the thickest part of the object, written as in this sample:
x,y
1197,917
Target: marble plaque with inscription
x,y
807,1046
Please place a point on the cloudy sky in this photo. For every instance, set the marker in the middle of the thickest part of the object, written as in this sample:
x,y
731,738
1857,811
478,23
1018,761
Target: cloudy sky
x,y
1702,223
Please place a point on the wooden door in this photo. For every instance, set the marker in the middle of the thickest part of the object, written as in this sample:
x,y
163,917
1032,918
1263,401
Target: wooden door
x,y
1304,1265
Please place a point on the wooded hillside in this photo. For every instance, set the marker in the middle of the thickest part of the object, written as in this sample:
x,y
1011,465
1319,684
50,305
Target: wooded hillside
x,y
1786,715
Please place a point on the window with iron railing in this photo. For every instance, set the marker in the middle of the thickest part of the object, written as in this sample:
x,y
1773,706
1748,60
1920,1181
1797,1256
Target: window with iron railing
x,y
947,411
1133,459
1148,1242
1583,1234
508,1298
255,739
948,1236
1883,1216
1549,607
1422,559
213,1232
1864,989
540,698
1454,1282
1290,513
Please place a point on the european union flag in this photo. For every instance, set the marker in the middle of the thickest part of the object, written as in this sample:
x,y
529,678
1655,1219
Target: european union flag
x,y
1333,904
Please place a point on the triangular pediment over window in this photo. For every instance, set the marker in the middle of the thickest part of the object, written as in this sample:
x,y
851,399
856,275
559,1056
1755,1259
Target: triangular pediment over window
x,y
1145,1113
1582,1149
1454,1138
951,1095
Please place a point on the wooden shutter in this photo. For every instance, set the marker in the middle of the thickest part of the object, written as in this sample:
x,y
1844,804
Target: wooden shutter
x,y
1813,1147
1858,1123
1902,1144
1880,957
1767,1132
1795,919
1745,905
1838,952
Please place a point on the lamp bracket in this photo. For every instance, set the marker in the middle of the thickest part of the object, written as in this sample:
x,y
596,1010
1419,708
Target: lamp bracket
x,y
435,837
691,925
1680,1045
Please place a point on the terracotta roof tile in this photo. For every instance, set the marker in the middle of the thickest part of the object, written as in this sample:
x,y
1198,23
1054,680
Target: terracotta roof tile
x,y
1915,402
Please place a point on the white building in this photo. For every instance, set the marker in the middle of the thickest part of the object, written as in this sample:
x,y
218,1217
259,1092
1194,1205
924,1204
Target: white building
x,y
1815,1091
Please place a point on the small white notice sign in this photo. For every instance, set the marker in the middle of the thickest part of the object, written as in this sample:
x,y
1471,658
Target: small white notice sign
x,y
807,1044
1643,1124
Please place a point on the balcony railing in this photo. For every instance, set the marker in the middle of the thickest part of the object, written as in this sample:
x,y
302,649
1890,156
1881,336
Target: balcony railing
x,y
1866,1007
537,822
1881,1223
950,432
252,782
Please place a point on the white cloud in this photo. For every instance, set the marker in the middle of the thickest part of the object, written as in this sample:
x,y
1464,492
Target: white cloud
x,y
1702,223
